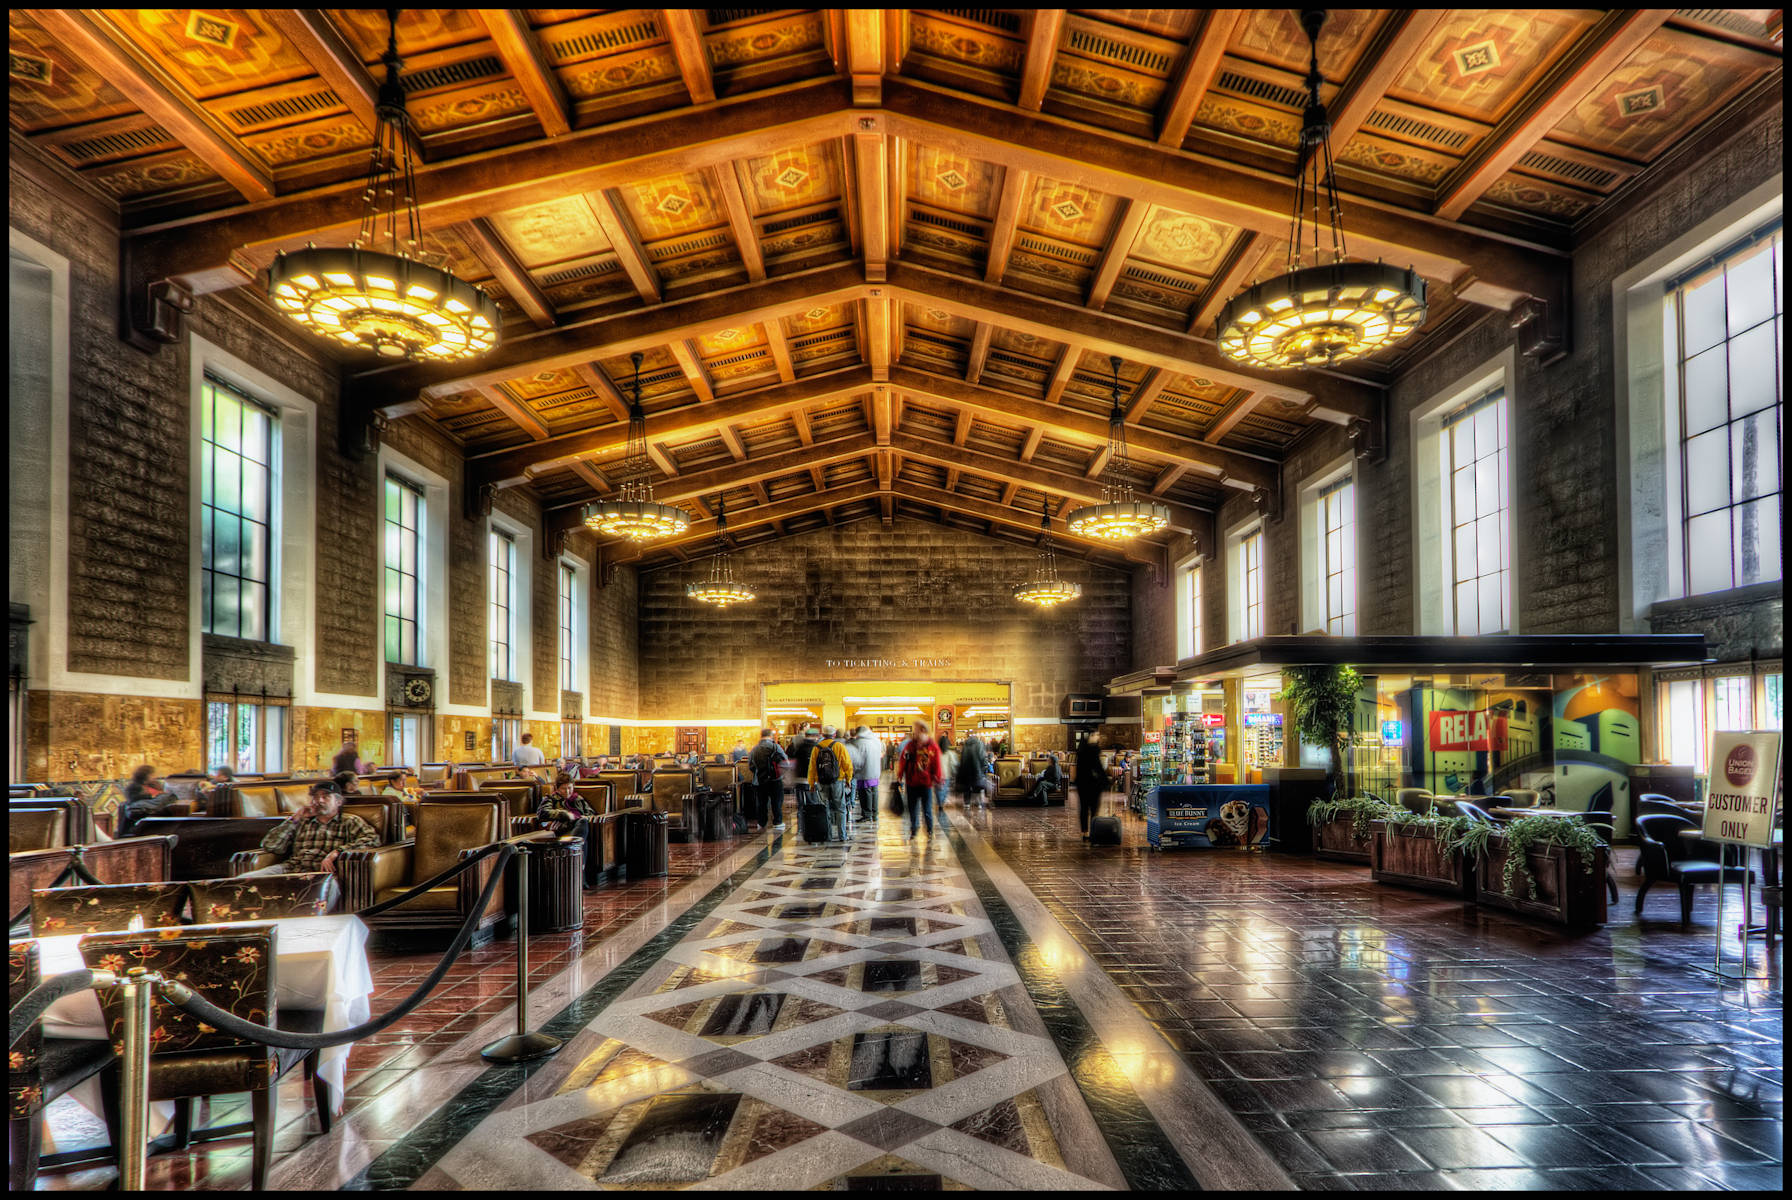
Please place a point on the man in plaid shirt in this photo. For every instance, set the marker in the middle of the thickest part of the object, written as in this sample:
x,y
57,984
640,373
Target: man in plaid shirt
x,y
310,839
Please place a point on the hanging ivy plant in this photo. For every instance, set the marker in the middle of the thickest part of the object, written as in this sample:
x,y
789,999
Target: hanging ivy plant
x,y
1528,835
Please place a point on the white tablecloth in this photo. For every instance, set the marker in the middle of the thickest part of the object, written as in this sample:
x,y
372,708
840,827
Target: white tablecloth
x,y
317,960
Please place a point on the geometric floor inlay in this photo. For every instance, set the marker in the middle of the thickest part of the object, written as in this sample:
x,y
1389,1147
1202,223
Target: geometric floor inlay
x,y
836,1021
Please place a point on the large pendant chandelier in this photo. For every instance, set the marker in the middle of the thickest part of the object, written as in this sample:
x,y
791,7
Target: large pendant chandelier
x,y
1120,515
1047,588
720,588
376,293
1330,311
632,512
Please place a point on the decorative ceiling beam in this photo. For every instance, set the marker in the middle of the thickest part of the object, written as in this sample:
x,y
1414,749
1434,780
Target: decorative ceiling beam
x,y
979,352
680,28
606,391
1114,255
883,413
730,436
1030,447
1146,394
1199,68
1134,341
337,63
1009,489
877,333
663,460
871,159
1231,415
692,367
627,246
519,413
1240,265
741,519
780,348
1098,462
1166,478
1001,233
591,475
91,39
521,54
865,55
1043,31
1403,34
507,467
758,489
1599,52
799,418
1061,373
489,248
963,430
1032,475
740,221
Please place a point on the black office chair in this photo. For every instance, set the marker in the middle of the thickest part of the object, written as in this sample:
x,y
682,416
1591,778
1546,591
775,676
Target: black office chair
x,y
1668,857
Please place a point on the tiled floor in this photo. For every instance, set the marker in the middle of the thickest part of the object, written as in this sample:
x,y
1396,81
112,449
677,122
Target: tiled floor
x,y
1377,1037
854,1018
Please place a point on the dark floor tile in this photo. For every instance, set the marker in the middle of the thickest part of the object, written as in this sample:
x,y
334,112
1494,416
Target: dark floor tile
x,y
1364,1150
1461,1149
1569,1146
1762,1177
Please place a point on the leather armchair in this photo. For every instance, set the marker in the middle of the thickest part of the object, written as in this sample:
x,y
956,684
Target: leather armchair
x,y
65,910
40,1069
435,775
1008,782
671,791
277,798
233,968
523,794
446,833
386,814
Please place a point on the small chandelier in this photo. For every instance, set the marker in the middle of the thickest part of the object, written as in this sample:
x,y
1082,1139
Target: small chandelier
x,y
1120,515
633,513
720,588
1047,588
1328,312
376,293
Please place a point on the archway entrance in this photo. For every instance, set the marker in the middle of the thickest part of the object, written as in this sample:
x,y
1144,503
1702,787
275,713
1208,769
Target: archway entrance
x,y
890,706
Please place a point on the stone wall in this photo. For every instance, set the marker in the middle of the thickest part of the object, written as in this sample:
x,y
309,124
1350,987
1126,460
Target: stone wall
x,y
615,646
912,592
80,735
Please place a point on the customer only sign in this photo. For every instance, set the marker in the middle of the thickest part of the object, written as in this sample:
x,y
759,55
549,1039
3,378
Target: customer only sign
x,y
1745,773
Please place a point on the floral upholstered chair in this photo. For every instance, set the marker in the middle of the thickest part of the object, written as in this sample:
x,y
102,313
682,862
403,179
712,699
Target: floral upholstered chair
x,y
63,910
264,897
233,967
40,1069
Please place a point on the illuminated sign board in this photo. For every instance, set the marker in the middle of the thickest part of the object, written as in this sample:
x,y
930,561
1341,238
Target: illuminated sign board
x,y
1393,733
1466,731
1261,718
1213,720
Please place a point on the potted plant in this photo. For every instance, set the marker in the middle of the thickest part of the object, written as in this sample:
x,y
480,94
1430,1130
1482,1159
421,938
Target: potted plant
x,y
1322,701
1341,826
1422,850
1543,866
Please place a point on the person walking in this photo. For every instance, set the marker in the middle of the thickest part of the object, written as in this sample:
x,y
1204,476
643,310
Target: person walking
x,y
767,763
527,754
348,758
972,776
948,768
867,770
919,770
830,775
1090,779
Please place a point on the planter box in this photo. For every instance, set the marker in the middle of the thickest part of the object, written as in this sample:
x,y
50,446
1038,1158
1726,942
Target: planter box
x,y
1412,857
1334,840
1567,893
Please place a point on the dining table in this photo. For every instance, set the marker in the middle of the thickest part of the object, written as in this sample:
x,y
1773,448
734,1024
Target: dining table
x,y
319,963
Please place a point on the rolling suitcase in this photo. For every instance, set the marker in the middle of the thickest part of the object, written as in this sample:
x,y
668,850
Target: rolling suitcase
x,y
1104,831
812,822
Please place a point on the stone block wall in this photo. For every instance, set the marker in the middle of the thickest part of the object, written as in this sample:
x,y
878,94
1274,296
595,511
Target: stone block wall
x,y
873,601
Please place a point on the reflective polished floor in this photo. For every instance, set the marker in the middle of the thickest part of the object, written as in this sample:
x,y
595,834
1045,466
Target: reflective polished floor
x,y
1002,1006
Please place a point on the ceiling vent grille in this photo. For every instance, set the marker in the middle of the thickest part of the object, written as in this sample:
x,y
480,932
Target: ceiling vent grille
x,y
286,108
1137,57
604,41
581,271
1173,282
788,223
114,145
1261,89
1416,130
1070,254
743,356
1591,176
689,245
451,74
922,216
822,339
1724,18
1001,18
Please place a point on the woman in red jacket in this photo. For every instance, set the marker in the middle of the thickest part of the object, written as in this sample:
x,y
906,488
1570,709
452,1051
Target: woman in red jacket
x,y
921,770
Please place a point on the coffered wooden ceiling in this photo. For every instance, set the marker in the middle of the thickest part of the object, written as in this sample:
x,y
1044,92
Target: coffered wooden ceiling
x,y
877,259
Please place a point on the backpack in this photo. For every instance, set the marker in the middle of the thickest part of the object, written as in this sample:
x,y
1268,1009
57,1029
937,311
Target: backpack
x,y
827,766
765,761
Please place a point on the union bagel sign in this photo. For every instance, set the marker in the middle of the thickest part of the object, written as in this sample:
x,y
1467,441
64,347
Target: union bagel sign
x,y
1739,805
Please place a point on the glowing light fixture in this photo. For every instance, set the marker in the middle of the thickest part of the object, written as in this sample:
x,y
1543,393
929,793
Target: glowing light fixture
x,y
1121,514
1046,588
720,588
1322,312
632,512
378,293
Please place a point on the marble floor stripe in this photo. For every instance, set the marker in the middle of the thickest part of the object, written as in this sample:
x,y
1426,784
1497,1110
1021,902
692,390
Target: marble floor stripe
x,y
871,1032
1218,1150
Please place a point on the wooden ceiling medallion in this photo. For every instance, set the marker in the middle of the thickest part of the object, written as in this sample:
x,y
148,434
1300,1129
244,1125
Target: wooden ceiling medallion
x,y
386,300
1325,313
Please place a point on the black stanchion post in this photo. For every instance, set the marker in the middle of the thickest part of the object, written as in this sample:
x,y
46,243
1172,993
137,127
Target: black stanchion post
x,y
523,1045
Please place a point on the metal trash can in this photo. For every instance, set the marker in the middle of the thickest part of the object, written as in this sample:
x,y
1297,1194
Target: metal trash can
x,y
649,842
556,879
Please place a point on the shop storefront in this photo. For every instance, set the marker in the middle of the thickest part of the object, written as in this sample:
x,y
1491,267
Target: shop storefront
x,y
1572,720
889,707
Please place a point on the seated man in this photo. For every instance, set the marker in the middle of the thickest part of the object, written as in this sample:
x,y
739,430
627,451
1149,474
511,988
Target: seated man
x,y
563,811
1042,785
310,839
221,778
144,796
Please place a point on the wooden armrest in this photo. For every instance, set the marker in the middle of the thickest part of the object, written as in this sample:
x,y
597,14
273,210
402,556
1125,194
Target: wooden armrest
x,y
244,861
366,873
